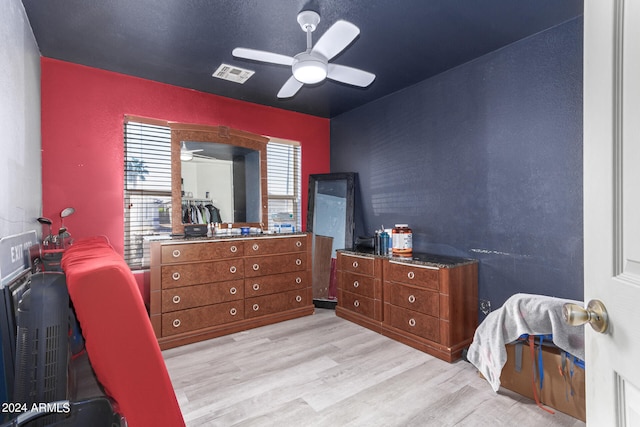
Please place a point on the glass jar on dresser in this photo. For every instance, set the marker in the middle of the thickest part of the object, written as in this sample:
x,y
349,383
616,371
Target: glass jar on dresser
x,y
429,302
204,288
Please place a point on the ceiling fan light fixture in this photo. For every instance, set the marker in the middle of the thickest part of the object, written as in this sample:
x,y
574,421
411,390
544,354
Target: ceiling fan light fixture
x,y
185,155
309,69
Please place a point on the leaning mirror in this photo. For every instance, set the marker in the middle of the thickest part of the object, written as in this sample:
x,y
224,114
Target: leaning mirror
x,y
331,208
218,175
330,218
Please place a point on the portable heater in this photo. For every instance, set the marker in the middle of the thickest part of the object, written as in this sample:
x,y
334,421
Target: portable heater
x,y
42,349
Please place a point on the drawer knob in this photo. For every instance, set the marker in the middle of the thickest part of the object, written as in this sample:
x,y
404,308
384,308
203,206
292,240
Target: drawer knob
x,y
356,283
412,322
411,275
298,261
176,299
233,291
256,267
233,269
298,280
234,249
176,323
233,311
255,247
256,307
355,264
412,299
356,303
175,253
175,276
298,298
298,243
256,286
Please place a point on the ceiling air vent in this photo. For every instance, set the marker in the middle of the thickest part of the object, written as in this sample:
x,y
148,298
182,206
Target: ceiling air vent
x,y
233,74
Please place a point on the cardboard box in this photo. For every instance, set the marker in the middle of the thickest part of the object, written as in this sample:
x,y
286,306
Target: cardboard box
x,y
557,387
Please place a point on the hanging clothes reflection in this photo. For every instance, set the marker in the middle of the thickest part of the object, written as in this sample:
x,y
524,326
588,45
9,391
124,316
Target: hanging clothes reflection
x,y
200,211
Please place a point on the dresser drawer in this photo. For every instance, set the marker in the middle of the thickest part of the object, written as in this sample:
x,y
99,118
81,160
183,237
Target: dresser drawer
x,y
418,324
199,295
275,245
413,297
205,251
199,273
276,303
261,266
357,303
412,274
264,285
358,284
178,322
357,264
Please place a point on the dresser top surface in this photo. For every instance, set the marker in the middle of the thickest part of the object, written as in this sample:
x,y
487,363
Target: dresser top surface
x,y
184,240
419,258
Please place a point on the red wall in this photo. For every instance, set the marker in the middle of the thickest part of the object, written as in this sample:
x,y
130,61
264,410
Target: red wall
x,y
83,112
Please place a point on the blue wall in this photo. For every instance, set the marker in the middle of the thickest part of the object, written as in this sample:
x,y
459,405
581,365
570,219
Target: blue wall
x,y
482,161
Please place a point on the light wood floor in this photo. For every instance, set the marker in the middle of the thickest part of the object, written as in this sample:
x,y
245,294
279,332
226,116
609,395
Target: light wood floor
x,y
322,370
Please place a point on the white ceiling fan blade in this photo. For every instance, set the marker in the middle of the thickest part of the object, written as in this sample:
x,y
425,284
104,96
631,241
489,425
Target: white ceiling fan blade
x,y
349,75
335,39
184,149
290,88
263,56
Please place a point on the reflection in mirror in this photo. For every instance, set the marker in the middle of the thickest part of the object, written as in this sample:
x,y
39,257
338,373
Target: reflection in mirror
x,y
222,178
331,208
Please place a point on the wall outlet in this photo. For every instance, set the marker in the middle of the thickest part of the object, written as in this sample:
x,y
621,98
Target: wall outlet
x,y
485,306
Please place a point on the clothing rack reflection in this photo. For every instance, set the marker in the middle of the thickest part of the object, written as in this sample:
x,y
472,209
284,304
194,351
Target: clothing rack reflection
x,y
199,211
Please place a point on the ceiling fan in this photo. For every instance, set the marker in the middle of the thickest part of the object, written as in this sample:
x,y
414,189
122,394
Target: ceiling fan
x,y
187,155
313,66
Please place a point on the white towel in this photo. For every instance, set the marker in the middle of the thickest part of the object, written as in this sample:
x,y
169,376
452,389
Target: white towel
x,y
522,314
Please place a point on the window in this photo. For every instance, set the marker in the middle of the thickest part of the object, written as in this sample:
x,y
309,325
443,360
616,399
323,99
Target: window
x,y
283,177
147,187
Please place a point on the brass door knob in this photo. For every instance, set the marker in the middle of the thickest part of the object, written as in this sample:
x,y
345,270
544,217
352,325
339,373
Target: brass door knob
x,y
595,314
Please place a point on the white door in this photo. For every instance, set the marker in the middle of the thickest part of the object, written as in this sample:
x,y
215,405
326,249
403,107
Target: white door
x,y
612,207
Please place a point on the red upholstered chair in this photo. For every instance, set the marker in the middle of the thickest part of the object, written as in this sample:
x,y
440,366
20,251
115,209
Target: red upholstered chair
x,y
119,339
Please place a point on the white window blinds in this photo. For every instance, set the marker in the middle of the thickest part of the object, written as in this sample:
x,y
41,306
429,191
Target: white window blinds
x,y
284,180
147,188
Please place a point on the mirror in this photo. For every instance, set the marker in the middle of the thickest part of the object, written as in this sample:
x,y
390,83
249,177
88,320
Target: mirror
x,y
226,175
331,208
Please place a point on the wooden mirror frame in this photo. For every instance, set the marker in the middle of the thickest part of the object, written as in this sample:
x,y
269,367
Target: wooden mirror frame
x,y
221,135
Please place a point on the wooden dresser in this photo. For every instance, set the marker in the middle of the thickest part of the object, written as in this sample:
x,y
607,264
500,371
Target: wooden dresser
x,y
204,288
360,289
429,302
